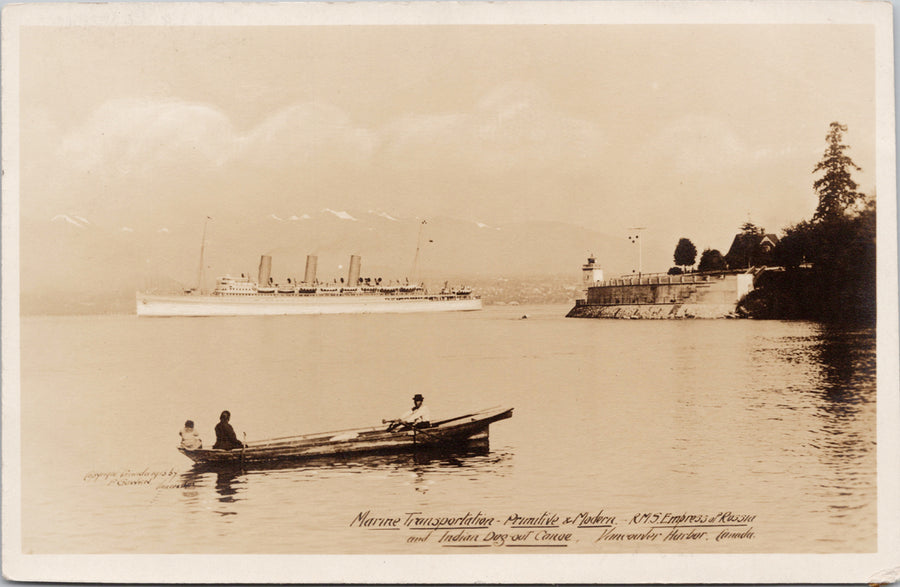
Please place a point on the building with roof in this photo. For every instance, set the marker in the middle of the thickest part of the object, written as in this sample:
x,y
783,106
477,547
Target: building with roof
x,y
751,250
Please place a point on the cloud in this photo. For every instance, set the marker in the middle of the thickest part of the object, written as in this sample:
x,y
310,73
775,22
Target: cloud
x,y
134,136
512,152
513,127
305,133
699,143
173,148
141,160
144,136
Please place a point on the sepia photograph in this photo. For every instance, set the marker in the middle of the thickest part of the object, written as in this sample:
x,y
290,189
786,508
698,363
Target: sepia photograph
x,y
445,292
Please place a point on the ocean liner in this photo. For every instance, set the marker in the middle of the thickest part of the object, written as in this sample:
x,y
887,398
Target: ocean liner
x,y
241,296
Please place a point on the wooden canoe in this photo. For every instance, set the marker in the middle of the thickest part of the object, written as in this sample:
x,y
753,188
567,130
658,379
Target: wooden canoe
x,y
444,433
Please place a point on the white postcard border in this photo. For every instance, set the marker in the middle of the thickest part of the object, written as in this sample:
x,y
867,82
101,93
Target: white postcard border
x,y
883,566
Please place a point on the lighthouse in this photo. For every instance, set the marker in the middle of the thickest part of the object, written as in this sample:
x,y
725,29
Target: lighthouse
x,y
591,273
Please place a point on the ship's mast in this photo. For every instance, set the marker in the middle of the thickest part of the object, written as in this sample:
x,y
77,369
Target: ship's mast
x,y
415,266
202,248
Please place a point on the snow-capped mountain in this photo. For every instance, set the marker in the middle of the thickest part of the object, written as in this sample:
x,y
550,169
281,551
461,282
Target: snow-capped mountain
x,y
92,257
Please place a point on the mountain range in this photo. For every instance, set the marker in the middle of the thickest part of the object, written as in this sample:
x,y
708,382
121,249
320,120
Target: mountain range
x,y
73,264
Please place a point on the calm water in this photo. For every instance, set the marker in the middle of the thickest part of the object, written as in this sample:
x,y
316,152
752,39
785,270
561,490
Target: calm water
x,y
774,420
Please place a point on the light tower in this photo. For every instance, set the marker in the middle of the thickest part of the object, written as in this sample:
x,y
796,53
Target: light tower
x,y
591,273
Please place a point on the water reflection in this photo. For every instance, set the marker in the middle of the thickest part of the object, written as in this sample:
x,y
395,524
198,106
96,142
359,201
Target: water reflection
x,y
846,387
225,485
231,480
847,363
835,364
805,416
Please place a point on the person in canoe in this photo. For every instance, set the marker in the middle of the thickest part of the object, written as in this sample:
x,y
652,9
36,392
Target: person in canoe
x,y
417,417
225,436
189,437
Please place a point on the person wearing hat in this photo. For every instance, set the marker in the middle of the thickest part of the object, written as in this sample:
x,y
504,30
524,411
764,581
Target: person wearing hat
x,y
417,417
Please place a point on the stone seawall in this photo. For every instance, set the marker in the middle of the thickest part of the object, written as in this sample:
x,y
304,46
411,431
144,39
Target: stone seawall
x,y
655,311
666,297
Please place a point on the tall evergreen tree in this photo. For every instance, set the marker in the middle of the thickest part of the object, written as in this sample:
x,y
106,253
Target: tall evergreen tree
x,y
750,228
836,189
830,261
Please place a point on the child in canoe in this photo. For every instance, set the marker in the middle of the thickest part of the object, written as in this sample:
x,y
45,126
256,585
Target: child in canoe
x,y
189,437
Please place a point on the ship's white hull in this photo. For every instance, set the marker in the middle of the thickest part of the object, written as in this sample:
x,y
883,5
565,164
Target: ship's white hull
x,y
287,305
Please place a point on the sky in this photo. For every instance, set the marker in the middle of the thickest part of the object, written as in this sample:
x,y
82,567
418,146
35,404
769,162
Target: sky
x,y
685,130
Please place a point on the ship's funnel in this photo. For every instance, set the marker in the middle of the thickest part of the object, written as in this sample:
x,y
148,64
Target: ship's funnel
x,y
310,275
353,276
265,269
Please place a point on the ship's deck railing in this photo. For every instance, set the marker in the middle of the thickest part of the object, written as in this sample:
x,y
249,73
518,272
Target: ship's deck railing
x,y
389,295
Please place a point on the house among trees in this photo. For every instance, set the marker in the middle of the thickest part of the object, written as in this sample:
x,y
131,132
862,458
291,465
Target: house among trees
x,y
751,249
